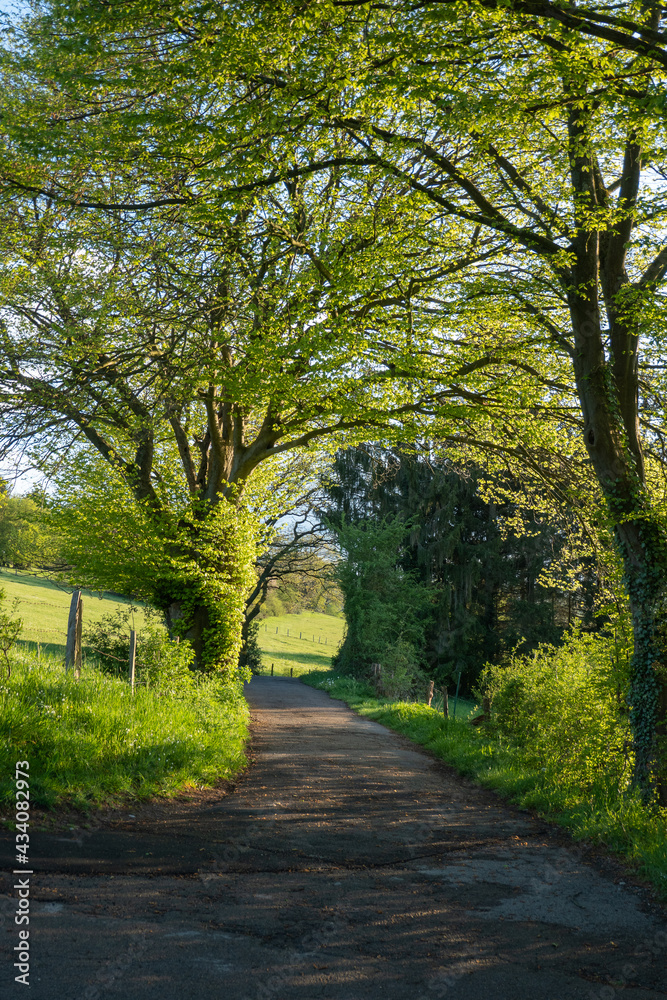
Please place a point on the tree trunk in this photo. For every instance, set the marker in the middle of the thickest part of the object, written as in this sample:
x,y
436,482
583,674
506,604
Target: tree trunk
x,y
641,541
190,624
648,694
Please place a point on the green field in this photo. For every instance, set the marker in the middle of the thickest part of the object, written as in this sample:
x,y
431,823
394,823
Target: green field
x,y
302,642
44,608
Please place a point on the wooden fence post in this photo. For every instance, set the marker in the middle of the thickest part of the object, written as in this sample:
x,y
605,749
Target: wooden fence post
x,y
291,671
272,670
133,656
77,647
445,703
73,647
430,692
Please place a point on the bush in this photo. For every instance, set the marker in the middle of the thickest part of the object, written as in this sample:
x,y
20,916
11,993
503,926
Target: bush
x,y
10,629
161,662
565,708
250,657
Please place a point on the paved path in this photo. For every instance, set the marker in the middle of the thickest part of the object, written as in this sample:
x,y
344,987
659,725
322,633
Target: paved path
x,y
346,865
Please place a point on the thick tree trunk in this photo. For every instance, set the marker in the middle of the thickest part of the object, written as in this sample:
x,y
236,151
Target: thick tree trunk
x,y
641,542
648,695
203,592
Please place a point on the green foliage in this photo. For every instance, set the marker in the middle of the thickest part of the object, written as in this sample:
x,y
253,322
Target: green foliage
x,y
273,607
250,657
26,536
91,743
193,562
161,662
566,709
400,675
383,604
483,577
314,590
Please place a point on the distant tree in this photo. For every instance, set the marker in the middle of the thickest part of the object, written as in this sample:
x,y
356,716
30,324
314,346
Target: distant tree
x,y
26,535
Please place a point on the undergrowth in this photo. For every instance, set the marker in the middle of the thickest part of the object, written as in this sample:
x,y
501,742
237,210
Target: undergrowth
x,y
91,742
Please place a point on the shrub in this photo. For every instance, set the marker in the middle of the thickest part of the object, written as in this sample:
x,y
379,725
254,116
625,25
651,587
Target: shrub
x,y
250,656
10,629
400,671
565,708
161,662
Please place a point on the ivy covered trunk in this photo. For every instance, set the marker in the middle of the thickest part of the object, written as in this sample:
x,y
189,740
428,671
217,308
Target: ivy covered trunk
x,y
606,309
644,572
640,536
203,595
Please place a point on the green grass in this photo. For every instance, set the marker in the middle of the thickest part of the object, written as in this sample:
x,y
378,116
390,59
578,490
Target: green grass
x,y
320,634
44,608
92,743
600,814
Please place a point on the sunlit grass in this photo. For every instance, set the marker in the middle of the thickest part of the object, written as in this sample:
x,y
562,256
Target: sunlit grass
x,y
313,639
91,742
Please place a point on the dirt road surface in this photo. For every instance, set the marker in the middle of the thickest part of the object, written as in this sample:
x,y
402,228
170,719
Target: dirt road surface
x,y
346,864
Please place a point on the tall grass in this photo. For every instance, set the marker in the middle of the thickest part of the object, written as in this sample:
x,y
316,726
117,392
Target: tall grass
x,y
91,742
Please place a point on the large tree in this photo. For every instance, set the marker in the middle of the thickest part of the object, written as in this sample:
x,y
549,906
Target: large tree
x,y
218,344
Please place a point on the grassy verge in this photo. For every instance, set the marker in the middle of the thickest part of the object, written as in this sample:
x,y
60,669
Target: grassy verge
x,y
304,642
91,743
600,814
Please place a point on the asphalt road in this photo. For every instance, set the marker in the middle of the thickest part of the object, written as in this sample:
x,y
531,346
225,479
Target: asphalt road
x,y
346,864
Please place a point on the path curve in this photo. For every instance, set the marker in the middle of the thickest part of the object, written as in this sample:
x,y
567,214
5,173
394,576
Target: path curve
x,y
348,865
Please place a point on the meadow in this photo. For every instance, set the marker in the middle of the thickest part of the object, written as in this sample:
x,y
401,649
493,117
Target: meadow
x,y
43,605
302,643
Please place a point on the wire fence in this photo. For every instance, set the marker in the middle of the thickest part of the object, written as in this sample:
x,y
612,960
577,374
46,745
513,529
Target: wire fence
x,y
304,635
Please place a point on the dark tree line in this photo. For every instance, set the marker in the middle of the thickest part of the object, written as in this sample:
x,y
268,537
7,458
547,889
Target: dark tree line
x,y
427,563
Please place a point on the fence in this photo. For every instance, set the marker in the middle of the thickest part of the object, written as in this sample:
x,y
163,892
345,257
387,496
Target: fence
x,y
73,638
302,635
